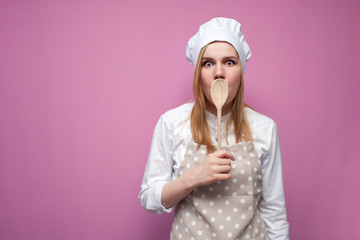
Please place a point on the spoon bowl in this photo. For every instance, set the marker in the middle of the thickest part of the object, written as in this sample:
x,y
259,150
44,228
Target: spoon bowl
x,y
219,92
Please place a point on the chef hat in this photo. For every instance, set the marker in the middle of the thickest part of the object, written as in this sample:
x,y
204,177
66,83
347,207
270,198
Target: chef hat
x,y
218,29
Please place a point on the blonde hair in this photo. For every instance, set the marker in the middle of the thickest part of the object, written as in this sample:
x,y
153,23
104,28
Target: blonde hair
x,y
199,126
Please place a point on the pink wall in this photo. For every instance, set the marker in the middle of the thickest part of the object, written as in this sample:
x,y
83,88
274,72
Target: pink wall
x,y
82,84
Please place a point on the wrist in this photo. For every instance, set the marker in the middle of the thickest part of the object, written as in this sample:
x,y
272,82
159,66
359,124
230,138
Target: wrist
x,y
190,181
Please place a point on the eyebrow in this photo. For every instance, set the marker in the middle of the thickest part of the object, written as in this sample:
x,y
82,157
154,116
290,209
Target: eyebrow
x,y
227,57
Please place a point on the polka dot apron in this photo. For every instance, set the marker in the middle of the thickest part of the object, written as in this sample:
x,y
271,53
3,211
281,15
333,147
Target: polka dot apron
x,y
225,209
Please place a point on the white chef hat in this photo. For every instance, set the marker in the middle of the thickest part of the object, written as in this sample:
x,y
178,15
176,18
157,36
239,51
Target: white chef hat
x,y
218,29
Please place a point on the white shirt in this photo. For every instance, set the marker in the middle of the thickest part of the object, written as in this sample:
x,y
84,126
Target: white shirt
x,y
171,137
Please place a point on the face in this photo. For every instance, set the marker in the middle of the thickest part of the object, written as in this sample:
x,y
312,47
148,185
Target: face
x,y
220,60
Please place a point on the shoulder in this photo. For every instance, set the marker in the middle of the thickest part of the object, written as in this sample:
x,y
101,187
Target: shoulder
x,y
177,116
262,127
174,125
257,119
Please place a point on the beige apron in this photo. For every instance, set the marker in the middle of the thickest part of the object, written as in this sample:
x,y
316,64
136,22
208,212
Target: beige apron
x,y
225,209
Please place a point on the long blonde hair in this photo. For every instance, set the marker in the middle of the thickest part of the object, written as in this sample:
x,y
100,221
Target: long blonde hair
x,y
199,126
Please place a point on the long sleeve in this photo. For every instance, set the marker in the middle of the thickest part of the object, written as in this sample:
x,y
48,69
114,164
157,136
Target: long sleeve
x,y
272,204
158,170
170,139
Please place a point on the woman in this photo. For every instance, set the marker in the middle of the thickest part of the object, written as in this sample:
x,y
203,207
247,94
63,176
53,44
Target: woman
x,y
233,193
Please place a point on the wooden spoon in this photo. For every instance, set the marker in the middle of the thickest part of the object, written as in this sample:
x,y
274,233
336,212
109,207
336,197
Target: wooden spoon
x,y
219,94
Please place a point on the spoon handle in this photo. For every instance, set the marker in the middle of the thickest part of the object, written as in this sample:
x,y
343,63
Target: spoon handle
x,y
218,128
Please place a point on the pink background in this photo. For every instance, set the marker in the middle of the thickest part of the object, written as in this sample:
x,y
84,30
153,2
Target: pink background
x,y
83,83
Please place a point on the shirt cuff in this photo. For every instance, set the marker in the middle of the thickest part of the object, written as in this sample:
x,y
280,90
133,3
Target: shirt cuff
x,y
158,193
153,203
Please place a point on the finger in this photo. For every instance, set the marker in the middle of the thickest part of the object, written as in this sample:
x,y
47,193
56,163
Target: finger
x,y
223,161
223,169
224,154
223,176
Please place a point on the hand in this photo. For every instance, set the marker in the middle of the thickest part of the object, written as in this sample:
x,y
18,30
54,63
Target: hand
x,y
215,167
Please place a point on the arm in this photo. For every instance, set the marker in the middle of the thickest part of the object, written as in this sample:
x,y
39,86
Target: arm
x,y
158,169
272,204
158,193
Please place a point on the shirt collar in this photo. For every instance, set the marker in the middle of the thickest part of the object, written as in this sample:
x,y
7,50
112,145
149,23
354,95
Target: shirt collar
x,y
212,119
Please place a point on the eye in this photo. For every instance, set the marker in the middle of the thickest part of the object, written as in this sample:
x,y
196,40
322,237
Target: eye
x,y
207,64
229,62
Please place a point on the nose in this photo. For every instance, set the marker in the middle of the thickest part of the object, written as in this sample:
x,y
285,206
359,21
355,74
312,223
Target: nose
x,y
219,71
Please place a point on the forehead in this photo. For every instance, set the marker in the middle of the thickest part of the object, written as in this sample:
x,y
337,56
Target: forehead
x,y
220,49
